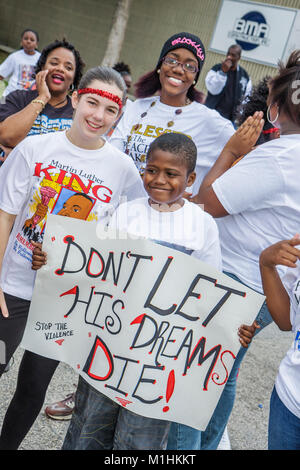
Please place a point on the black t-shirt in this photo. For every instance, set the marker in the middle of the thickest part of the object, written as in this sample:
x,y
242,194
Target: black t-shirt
x,y
49,120
226,106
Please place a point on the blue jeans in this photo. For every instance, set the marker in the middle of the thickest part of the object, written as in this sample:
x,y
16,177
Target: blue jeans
x,y
99,423
284,426
182,437
209,439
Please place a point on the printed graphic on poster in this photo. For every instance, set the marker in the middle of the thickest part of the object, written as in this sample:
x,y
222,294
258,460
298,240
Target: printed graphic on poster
x,y
148,326
254,26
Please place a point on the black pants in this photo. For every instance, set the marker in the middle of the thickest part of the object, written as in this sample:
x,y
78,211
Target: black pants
x,y
12,328
35,374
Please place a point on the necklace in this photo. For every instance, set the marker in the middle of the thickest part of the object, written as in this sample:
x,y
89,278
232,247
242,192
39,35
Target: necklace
x,y
60,102
170,123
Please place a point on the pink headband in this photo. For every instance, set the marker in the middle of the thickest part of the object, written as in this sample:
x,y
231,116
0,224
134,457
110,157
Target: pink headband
x,y
105,94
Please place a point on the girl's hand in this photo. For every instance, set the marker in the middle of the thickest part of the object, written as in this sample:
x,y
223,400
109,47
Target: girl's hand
x,y
245,138
246,333
3,306
39,257
42,87
283,253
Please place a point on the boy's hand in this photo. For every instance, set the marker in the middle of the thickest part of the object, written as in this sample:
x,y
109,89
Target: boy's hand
x,y
39,257
246,333
283,253
245,138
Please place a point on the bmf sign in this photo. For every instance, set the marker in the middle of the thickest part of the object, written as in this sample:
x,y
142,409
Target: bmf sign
x,y
250,31
263,31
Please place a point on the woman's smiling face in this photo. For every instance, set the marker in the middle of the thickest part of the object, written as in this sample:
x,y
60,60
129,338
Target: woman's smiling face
x,y
175,82
61,67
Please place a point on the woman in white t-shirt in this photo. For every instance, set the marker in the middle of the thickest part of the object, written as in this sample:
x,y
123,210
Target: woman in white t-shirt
x,y
45,174
178,107
19,66
283,302
257,203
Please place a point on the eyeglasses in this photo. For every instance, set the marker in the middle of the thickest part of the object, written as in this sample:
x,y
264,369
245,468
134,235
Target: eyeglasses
x,y
186,66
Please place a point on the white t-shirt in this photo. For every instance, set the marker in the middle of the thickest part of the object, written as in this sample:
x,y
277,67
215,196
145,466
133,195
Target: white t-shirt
x,y
19,66
262,195
188,229
209,131
40,176
288,379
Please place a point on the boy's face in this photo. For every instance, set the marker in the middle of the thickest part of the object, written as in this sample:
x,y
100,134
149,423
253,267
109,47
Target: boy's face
x,y
29,42
165,178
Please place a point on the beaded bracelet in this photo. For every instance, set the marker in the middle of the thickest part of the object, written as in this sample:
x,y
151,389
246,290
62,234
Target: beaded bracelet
x,y
40,102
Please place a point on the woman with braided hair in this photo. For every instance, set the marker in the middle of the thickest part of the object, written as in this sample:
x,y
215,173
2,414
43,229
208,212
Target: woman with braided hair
x,y
257,101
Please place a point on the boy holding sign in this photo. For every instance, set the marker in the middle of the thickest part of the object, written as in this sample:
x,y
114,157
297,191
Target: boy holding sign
x,y
166,218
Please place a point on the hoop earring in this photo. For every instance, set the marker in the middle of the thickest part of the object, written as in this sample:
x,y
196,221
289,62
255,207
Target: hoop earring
x,y
268,114
72,87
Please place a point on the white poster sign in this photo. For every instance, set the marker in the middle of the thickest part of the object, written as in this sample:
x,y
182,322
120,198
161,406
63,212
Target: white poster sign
x,y
150,327
263,31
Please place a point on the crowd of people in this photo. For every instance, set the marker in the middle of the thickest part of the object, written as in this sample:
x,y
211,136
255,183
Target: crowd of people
x,y
171,149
